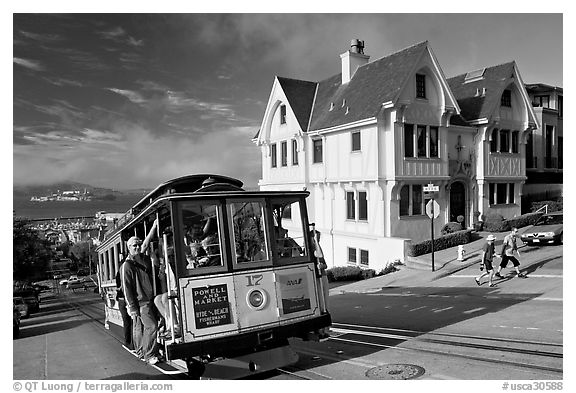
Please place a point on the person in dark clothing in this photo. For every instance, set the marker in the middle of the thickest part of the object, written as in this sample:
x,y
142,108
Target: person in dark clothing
x,y
487,257
126,320
136,275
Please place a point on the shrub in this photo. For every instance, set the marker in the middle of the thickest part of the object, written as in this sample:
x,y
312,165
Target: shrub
x,y
494,222
451,227
390,267
524,220
441,243
349,273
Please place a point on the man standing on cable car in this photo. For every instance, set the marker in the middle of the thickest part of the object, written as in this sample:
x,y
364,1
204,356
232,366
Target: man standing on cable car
x,y
139,293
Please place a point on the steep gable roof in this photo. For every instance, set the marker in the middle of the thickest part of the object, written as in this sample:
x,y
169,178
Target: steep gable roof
x,y
372,85
476,106
300,95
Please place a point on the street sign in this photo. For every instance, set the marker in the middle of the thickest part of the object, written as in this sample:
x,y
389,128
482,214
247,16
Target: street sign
x,y
432,203
431,188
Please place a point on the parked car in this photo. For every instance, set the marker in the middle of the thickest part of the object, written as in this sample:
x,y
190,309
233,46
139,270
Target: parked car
x,y
21,306
30,298
73,281
15,322
548,229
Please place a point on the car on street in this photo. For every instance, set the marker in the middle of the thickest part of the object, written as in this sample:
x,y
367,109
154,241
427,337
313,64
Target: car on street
x,y
73,281
21,306
72,278
548,229
15,322
30,297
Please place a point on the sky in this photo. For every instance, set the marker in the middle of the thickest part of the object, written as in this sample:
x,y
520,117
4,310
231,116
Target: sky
x,y
129,101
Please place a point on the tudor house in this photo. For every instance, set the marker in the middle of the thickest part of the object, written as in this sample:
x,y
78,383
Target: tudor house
x,y
367,141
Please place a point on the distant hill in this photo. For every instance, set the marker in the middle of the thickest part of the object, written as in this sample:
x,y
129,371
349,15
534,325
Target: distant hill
x,y
97,192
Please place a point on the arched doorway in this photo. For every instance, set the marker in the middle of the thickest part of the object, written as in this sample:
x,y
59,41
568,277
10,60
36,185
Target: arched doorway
x,y
458,202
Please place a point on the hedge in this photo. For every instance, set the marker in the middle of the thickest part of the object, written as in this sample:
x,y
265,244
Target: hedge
x,y
349,273
440,243
524,220
451,227
355,273
497,223
553,206
494,222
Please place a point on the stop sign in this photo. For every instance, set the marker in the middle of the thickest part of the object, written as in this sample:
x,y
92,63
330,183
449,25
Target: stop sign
x,y
432,203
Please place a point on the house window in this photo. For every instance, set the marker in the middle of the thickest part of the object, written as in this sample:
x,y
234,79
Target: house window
x,y
294,152
494,141
408,140
417,200
560,152
504,141
420,86
362,206
356,143
317,154
411,200
350,206
515,135
560,106
364,257
434,142
506,99
421,141
500,193
352,255
541,101
510,192
273,155
425,143
284,153
282,114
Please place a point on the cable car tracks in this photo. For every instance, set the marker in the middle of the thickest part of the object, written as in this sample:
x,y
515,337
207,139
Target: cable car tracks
x,y
543,356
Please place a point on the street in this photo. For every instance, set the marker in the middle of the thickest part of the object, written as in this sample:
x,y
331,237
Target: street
x,y
447,329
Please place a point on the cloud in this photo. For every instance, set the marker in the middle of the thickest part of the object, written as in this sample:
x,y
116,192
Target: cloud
x,y
62,82
132,157
42,38
133,96
119,35
30,64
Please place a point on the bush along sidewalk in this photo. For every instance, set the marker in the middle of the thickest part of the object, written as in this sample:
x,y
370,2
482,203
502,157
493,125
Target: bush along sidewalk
x,y
440,243
355,273
494,222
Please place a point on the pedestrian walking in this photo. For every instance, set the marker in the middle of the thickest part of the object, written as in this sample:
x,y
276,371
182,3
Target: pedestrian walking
x,y
487,257
509,247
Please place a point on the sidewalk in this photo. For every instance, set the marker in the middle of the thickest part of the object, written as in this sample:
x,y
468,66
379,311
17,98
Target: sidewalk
x,y
418,270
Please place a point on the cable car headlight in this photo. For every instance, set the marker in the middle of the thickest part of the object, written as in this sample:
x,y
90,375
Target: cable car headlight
x,y
256,299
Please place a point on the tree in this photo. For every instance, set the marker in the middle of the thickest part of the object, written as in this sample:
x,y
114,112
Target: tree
x,y
32,254
84,252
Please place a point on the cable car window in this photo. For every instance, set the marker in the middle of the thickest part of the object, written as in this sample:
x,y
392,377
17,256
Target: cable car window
x,y
202,240
288,233
249,231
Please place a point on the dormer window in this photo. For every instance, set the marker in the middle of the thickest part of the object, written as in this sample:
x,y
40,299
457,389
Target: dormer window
x,y
506,99
282,114
420,86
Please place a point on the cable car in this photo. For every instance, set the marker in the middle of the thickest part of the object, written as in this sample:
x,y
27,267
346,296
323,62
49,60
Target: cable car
x,y
245,278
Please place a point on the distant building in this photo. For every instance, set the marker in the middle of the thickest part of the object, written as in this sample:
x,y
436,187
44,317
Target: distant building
x,y
545,145
367,141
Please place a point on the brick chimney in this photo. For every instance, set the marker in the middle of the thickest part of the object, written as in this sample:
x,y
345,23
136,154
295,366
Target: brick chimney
x,y
352,59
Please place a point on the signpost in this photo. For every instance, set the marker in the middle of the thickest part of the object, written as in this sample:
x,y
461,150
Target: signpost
x,y
433,211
